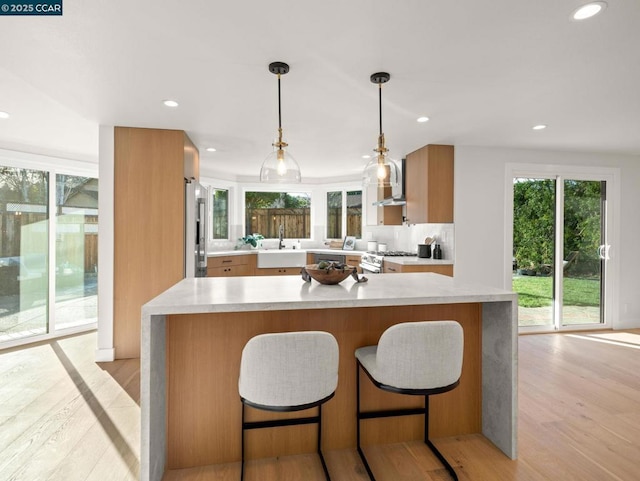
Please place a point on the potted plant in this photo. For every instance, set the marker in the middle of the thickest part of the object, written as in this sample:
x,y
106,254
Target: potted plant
x,y
250,241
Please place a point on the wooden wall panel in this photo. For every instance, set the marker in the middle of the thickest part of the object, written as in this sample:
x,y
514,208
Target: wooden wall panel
x,y
149,220
203,363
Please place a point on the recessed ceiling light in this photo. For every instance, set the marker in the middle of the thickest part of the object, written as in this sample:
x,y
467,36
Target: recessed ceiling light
x,y
210,149
422,119
539,127
366,156
588,10
4,115
170,103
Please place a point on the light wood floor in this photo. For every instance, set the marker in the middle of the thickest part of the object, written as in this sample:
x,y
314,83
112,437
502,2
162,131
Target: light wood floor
x,y
64,417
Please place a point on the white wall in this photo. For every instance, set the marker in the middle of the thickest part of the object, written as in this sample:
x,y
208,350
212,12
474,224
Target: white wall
x,y
480,191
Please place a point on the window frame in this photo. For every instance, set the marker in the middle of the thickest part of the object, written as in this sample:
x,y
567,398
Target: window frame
x,y
229,191
303,189
345,210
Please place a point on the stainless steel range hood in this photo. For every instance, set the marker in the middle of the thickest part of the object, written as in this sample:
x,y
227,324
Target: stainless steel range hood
x,y
397,198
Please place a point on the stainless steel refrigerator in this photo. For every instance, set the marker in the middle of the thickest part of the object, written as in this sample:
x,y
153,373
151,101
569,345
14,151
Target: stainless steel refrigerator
x,y
195,232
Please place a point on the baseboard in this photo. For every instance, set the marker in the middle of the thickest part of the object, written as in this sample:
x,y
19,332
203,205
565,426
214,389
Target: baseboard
x,y
105,355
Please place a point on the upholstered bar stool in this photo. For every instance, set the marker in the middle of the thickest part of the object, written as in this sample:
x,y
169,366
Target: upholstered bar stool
x,y
285,372
415,358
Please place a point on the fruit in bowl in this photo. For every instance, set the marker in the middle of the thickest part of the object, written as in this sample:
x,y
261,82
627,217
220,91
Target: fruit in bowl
x,y
330,272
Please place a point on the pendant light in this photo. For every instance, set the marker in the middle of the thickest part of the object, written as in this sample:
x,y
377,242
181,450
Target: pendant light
x,y
381,169
280,166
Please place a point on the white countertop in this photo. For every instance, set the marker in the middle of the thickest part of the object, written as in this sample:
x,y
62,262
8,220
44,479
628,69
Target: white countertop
x,y
232,294
240,252
418,261
405,261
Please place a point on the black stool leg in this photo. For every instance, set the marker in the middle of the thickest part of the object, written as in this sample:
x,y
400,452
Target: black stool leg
x,y
428,442
242,462
324,465
358,417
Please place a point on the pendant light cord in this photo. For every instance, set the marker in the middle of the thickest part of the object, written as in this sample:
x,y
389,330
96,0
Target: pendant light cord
x,y
280,108
380,105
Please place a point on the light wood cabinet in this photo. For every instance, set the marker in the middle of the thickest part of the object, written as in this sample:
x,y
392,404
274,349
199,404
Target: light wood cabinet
x,y
392,267
230,266
149,172
191,161
429,185
278,271
353,260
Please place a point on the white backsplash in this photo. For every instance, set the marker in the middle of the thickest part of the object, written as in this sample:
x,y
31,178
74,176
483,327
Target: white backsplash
x,y
399,238
407,237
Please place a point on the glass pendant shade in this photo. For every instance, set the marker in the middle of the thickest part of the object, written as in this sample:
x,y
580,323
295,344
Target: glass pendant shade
x,y
280,166
382,171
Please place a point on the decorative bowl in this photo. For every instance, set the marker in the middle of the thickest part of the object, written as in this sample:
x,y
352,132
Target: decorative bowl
x,y
329,276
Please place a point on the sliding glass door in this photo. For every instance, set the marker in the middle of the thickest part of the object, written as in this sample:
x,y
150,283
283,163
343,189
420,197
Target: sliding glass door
x,y
560,251
584,248
76,230
24,218
48,253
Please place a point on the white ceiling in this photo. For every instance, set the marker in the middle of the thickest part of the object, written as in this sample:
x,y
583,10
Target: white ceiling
x,y
484,72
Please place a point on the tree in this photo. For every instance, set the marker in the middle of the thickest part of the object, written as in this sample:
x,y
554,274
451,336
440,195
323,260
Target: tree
x,y
23,185
534,223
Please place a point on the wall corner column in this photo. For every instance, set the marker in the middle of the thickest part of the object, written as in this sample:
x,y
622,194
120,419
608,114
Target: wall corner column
x,y
105,350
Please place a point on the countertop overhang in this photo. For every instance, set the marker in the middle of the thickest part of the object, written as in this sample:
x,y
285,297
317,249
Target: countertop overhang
x,y
273,293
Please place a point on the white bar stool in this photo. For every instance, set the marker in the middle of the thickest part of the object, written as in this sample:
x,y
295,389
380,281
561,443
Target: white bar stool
x,y
415,358
285,372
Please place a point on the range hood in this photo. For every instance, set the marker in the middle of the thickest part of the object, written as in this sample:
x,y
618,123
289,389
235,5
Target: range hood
x,y
397,198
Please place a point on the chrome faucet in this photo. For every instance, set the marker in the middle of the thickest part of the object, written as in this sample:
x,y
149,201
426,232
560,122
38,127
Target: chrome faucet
x,y
281,235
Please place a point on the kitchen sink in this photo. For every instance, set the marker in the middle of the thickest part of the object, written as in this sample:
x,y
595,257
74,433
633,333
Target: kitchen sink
x,y
282,258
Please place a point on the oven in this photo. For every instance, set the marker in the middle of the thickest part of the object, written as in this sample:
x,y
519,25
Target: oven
x,y
371,262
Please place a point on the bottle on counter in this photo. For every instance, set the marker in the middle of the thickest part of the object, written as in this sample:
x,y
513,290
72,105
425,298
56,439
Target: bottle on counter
x,y
437,252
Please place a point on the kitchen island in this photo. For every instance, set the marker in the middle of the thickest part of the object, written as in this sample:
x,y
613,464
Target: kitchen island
x,y
193,335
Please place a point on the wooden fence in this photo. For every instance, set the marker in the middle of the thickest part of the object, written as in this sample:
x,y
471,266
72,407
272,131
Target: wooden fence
x,y
296,222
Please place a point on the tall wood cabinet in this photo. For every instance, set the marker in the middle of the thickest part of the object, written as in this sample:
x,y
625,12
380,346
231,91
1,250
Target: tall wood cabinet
x,y
150,166
429,185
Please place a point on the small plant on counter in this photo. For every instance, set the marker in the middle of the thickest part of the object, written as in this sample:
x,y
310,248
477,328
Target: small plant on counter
x,y
252,240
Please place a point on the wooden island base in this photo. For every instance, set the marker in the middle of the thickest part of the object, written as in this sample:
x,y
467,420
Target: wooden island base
x,y
202,366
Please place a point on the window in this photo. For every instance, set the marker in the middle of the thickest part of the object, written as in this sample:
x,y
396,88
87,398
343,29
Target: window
x,y
334,215
220,213
338,219
354,213
265,212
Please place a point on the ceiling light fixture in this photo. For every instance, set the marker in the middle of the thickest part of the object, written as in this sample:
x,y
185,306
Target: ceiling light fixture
x,y
539,127
422,119
170,103
589,10
210,149
4,115
280,166
381,170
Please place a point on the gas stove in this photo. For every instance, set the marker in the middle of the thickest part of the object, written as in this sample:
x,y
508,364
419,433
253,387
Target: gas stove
x,y
371,262
393,253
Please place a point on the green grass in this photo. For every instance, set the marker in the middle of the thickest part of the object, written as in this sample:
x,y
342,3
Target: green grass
x,y
538,291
